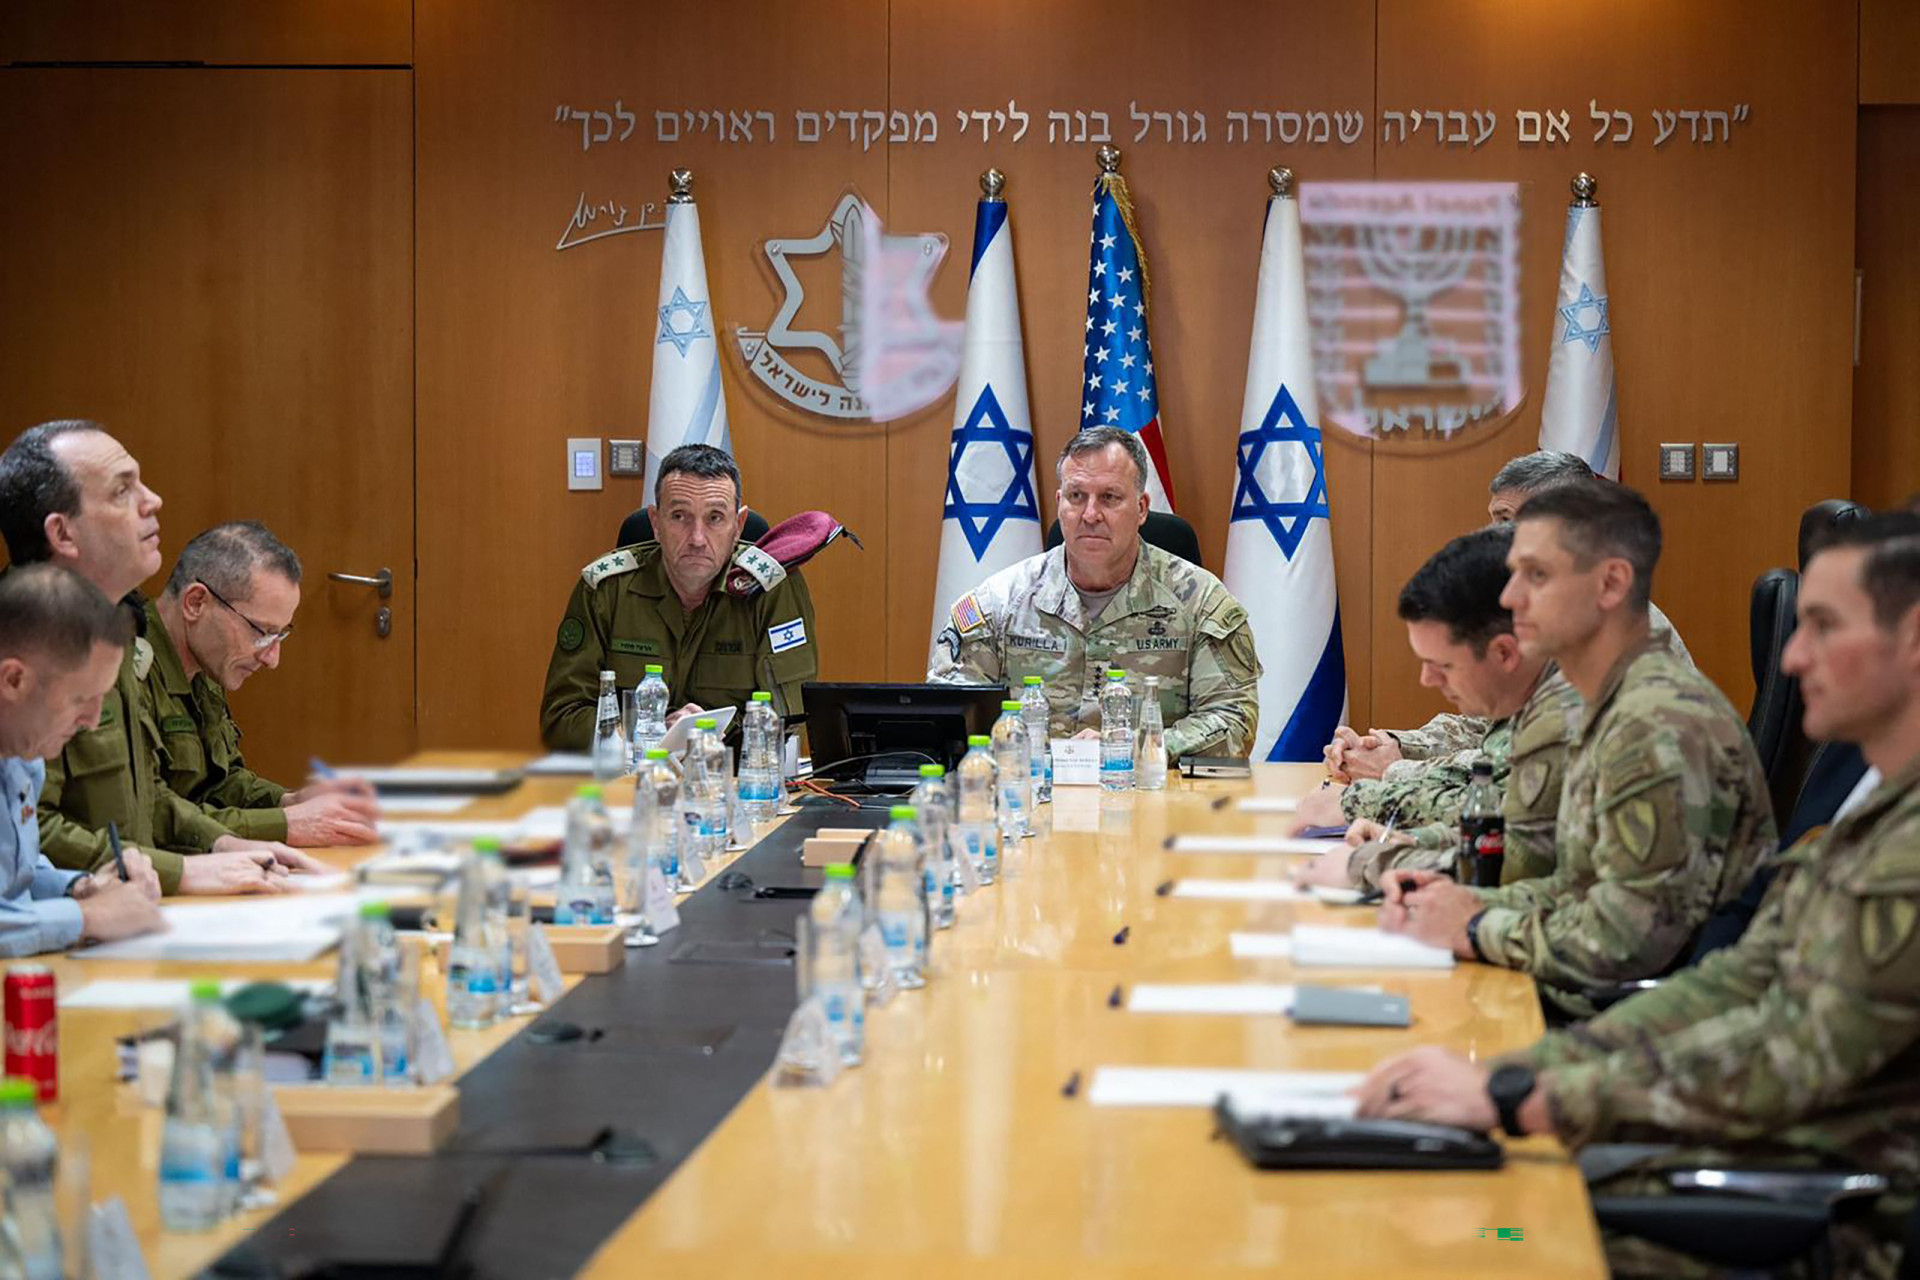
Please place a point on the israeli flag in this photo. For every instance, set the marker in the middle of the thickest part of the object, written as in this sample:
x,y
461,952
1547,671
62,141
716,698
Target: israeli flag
x,y
1280,532
1579,413
990,518
686,405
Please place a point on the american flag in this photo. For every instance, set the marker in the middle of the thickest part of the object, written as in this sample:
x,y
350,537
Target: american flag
x,y
1117,386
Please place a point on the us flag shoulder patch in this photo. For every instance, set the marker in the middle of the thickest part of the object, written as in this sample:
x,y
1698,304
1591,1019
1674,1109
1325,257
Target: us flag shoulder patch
x,y
966,615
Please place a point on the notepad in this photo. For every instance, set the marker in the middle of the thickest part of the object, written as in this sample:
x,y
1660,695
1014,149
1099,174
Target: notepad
x,y
425,804
562,763
1267,804
1241,890
1204,997
1291,845
286,929
1332,947
162,993
1202,1086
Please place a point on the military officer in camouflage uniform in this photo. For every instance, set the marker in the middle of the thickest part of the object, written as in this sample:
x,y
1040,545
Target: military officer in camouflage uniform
x,y
664,602
228,607
1402,755
1105,599
1802,1039
71,494
1664,814
1464,638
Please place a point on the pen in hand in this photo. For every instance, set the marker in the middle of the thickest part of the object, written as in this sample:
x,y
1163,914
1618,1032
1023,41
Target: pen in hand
x,y
119,860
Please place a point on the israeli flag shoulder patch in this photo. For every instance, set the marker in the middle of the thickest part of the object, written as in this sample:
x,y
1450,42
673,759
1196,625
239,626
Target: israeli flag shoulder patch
x,y
788,635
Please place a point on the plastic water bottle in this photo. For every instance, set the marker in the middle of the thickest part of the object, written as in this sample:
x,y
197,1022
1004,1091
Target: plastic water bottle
x,y
1116,733
933,811
1150,763
585,894
719,775
761,740
193,1143
974,809
473,966
1013,758
609,741
900,903
649,712
31,1156
657,822
834,963
352,1054
1039,717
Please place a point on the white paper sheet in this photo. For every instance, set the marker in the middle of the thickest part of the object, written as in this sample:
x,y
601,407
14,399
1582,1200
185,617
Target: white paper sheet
x,y
1267,804
424,804
682,729
1292,845
566,763
288,928
1241,890
335,882
1202,1086
1329,946
1206,997
392,829
1261,946
161,993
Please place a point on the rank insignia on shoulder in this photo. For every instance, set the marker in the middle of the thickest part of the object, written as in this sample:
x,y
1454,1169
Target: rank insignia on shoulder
x,y
142,657
610,565
967,617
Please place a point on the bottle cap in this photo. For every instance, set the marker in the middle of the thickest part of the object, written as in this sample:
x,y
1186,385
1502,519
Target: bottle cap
x,y
1483,768
656,753
903,813
839,871
606,676
1032,682
590,791
486,844
376,910
17,1093
933,771
705,722
761,695
655,669
201,990
979,740
1010,704
1115,673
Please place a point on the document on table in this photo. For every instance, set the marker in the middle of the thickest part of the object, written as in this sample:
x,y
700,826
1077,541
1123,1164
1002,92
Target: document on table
x,y
564,763
286,929
1332,947
425,804
1208,997
1241,890
394,829
1202,1087
1267,804
1294,845
164,993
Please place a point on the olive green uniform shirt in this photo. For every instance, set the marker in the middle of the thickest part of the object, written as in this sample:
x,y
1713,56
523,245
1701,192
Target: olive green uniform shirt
x,y
624,614
200,745
110,773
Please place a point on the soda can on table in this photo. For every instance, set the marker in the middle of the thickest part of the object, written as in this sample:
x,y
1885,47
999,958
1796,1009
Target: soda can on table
x,y
33,1033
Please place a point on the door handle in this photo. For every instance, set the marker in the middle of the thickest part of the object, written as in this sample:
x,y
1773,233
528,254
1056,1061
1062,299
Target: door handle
x,y
381,581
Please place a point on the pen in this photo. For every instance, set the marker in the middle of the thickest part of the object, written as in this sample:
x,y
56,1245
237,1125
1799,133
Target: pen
x,y
119,861
320,768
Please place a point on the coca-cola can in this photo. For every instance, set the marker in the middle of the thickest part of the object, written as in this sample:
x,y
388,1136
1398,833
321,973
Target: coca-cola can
x,y
33,1033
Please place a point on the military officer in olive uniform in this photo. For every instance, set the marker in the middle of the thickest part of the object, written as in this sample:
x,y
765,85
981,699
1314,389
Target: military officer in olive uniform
x,y
665,602
1102,599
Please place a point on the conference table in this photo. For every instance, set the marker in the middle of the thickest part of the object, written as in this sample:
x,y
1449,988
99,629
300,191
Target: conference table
x,y
964,1145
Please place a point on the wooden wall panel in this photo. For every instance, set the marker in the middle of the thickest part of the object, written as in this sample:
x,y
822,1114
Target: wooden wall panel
x,y
216,32
1200,208
1728,268
1886,386
218,266
1890,52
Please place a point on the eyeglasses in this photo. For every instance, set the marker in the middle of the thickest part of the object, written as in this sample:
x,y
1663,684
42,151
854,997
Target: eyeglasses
x,y
262,638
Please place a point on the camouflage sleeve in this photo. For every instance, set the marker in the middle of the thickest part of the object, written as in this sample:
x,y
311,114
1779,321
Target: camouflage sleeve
x,y
968,646
573,676
1435,794
1223,693
1444,733
1366,864
783,673
1744,1069
1649,881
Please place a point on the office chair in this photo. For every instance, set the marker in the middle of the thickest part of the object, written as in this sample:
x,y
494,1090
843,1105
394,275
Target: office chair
x,y
638,528
1163,529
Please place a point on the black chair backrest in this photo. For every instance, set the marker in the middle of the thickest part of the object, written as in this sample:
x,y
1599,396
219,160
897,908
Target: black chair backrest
x,y
638,528
1821,516
1163,529
1774,721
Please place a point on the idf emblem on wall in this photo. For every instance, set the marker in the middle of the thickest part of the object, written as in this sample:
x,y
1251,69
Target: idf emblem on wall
x,y
1414,294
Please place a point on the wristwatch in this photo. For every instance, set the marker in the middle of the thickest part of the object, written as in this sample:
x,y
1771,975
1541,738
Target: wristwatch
x,y
1473,935
1508,1087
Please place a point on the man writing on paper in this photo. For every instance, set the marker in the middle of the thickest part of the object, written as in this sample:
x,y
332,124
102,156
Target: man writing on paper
x,y
1102,599
1464,639
61,643
1664,813
664,602
72,495
1449,741
227,610
1801,1039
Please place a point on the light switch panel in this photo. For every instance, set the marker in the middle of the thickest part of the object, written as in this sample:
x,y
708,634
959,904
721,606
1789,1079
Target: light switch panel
x,y
1721,461
583,462
1676,462
626,458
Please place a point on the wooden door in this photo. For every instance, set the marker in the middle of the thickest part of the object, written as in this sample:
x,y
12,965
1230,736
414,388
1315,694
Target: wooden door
x,y
217,263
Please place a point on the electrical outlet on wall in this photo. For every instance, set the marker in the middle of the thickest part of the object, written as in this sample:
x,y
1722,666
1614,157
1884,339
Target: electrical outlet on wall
x,y
1676,462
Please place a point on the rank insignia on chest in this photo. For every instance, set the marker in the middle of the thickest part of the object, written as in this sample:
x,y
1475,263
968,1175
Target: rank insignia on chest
x,y
1160,611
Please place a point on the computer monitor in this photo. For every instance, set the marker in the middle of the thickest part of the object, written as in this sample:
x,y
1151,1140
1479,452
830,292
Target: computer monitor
x,y
881,734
